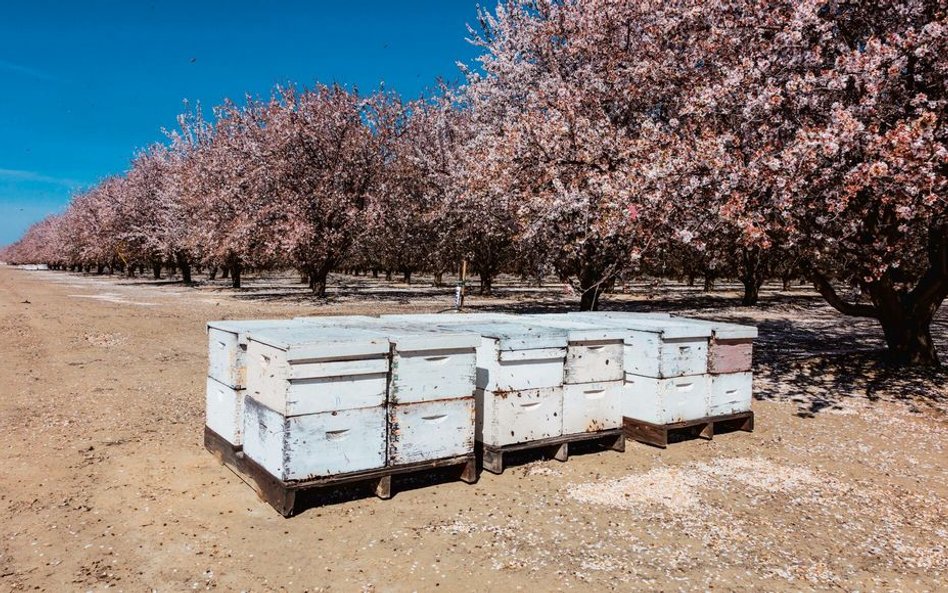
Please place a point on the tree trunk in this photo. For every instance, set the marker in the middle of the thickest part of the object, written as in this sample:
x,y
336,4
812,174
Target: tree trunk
x,y
786,282
318,279
487,282
751,291
406,276
752,275
99,269
304,278
235,271
185,266
375,273
439,278
388,275
212,273
691,279
708,282
589,299
909,340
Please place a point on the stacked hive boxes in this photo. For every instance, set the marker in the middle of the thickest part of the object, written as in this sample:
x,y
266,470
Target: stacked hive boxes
x,y
540,380
430,389
316,403
519,378
227,376
312,399
682,372
730,356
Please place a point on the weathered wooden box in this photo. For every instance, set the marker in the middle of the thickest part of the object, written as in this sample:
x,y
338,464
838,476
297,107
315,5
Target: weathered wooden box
x,y
731,393
520,416
314,445
659,347
664,401
594,352
227,348
731,348
308,369
430,389
430,430
224,411
591,407
425,365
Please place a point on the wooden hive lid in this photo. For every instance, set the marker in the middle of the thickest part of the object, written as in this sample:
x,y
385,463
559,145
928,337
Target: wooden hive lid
x,y
307,341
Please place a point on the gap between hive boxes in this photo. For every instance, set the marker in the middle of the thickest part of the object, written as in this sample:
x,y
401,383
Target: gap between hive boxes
x,y
657,434
282,495
492,457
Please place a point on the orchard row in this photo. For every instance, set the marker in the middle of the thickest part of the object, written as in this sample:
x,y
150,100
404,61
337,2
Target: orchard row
x,y
596,139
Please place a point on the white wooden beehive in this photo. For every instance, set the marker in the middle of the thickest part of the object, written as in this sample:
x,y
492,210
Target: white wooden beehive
x,y
520,369
430,430
731,348
731,393
224,411
425,365
308,369
659,347
316,401
520,416
665,401
314,445
430,389
227,348
591,407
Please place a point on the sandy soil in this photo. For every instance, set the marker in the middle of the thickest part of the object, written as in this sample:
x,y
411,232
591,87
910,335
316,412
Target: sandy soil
x,y
104,482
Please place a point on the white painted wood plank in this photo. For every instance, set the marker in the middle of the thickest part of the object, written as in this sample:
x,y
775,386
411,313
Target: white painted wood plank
x,y
592,407
430,430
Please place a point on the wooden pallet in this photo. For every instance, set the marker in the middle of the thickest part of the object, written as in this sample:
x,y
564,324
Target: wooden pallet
x,y
492,458
657,434
281,495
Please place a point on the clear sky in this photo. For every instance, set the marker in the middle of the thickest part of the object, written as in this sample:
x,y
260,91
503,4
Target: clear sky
x,y
85,84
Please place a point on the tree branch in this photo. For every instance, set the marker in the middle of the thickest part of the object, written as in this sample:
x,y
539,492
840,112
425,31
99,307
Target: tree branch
x,y
825,288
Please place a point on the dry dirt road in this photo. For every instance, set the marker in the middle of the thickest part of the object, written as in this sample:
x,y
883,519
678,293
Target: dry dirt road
x,y
104,482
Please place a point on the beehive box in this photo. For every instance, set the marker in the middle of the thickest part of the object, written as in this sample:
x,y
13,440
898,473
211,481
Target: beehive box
x,y
665,401
519,416
592,407
731,393
659,347
520,369
292,448
227,348
430,391
731,348
316,402
227,375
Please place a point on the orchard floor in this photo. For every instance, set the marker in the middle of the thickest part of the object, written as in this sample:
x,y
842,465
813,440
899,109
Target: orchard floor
x,y
105,484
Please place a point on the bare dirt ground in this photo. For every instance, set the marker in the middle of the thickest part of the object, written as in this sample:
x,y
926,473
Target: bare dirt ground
x,y
104,482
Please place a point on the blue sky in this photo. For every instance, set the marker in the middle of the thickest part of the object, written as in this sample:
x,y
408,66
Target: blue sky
x,y
85,84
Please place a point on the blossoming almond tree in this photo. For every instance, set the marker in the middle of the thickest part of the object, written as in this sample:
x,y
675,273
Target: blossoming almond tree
x,y
851,98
